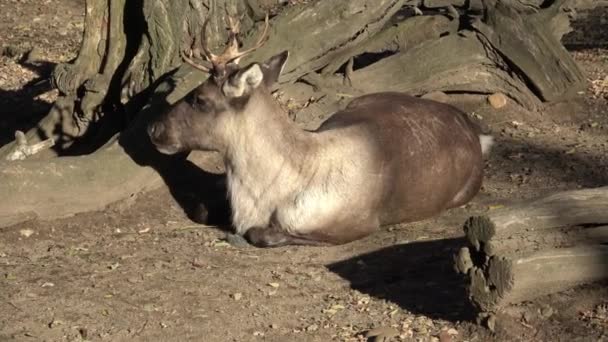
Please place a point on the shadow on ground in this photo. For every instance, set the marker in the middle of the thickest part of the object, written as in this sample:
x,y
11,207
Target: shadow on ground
x,y
201,194
418,276
21,109
586,168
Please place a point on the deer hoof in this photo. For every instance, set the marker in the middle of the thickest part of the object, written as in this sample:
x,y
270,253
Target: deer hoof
x,y
237,240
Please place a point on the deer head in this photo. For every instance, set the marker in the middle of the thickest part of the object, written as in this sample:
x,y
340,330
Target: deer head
x,y
201,120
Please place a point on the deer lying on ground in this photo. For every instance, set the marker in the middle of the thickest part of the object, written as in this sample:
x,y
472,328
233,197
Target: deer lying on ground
x,y
386,158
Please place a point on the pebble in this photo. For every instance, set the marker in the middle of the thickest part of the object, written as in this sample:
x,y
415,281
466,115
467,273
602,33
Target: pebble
x,y
55,323
547,311
497,100
34,55
312,327
491,323
445,336
237,240
26,232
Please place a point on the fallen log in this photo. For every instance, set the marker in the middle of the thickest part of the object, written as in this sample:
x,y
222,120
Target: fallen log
x,y
504,280
535,248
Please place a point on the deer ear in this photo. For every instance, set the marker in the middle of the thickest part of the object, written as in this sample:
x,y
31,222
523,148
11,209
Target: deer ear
x,y
273,67
244,81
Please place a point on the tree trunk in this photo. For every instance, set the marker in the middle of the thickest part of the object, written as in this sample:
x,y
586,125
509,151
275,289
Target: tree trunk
x,y
129,68
535,248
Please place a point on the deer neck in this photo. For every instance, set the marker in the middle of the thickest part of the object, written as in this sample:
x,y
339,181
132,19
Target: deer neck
x,y
266,147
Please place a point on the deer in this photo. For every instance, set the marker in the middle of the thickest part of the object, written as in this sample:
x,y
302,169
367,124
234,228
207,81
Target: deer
x,y
386,158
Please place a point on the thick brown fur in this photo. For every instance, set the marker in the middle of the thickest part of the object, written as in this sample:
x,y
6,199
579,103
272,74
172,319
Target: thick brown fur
x,y
386,158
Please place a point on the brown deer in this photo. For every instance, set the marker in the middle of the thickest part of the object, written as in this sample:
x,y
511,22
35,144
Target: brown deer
x,y
386,158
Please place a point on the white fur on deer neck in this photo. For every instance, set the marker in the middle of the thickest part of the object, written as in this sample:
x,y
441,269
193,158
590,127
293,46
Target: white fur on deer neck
x,y
277,172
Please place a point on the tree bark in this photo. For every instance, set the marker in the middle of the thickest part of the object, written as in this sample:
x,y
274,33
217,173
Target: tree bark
x,y
513,279
130,59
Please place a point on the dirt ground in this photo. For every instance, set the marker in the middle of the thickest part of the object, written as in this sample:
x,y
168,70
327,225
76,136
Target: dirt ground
x,y
141,271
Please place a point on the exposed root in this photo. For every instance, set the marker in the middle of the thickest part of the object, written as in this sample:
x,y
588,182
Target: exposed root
x,y
22,150
69,77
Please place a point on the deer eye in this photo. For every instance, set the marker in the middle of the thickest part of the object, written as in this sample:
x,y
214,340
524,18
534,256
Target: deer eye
x,y
198,103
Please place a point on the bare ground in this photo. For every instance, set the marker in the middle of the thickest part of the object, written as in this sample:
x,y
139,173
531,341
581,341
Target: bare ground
x,y
140,270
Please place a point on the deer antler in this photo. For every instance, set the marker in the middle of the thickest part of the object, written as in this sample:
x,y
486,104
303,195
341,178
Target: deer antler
x,y
231,53
192,63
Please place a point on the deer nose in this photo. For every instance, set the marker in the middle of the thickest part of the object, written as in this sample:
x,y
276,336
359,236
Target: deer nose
x,y
155,129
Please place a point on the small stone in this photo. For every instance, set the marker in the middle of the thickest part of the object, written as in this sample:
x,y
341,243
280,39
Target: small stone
x,y
491,322
198,262
438,96
34,55
547,311
26,232
421,330
444,336
527,316
237,240
497,100
275,285
312,327
55,323
237,296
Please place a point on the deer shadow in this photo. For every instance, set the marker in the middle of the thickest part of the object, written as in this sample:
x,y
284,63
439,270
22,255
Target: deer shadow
x,y
417,276
201,194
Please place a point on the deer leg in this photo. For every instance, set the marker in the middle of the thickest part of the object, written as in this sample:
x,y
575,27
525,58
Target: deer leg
x,y
274,237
